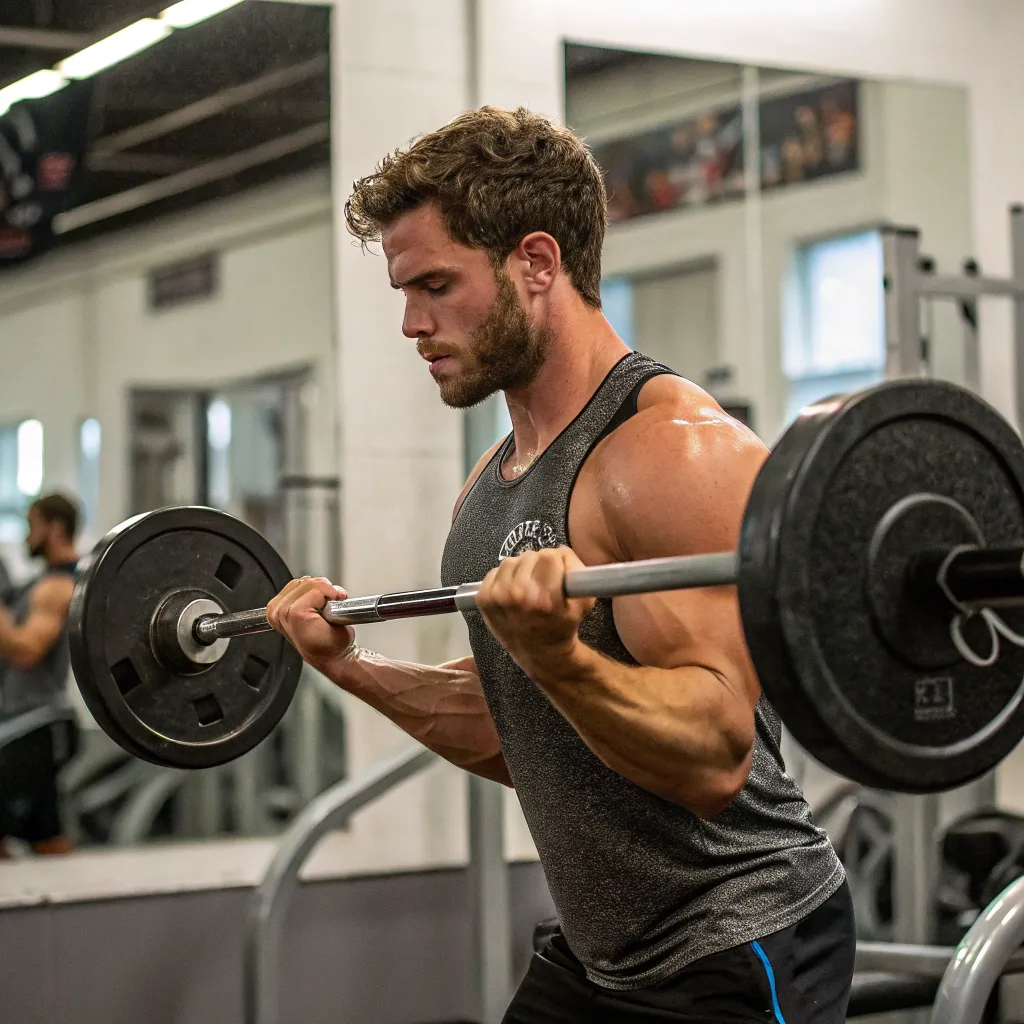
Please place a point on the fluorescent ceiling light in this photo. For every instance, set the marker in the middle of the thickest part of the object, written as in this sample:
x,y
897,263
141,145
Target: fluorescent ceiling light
x,y
33,87
115,48
191,12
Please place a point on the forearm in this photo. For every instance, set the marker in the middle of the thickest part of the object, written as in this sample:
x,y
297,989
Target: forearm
x,y
675,732
442,707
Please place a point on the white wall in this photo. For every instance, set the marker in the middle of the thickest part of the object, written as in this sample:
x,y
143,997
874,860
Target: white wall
x,y
78,333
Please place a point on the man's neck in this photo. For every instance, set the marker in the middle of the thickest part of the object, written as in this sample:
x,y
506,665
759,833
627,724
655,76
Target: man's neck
x,y
580,355
64,554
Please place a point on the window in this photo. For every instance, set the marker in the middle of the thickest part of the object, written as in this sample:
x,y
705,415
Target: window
x,y
90,439
833,336
21,474
218,436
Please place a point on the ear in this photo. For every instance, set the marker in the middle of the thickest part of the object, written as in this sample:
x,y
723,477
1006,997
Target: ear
x,y
541,261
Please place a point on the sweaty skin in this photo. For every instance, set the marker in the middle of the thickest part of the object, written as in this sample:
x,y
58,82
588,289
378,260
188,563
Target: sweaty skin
x,y
672,480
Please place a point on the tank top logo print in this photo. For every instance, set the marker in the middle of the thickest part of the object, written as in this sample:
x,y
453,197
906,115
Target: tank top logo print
x,y
529,536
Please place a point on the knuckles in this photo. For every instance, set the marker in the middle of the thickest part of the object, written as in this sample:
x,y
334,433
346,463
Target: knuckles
x,y
526,583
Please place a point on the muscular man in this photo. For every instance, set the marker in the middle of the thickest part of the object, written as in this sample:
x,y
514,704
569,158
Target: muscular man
x,y
34,666
688,878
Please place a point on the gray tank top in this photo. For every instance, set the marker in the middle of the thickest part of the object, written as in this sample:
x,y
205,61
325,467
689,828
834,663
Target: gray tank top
x,y
25,689
642,886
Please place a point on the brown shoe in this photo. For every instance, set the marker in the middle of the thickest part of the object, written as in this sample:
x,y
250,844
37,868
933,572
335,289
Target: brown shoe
x,y
52,847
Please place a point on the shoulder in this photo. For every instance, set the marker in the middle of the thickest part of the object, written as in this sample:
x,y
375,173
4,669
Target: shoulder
x,y
678,473
677,420
480,466
53,592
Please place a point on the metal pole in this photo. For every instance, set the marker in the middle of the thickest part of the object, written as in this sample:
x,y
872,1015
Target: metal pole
x,y
915,868
1017,272
618,579
753,226
268,905
490,888
902,303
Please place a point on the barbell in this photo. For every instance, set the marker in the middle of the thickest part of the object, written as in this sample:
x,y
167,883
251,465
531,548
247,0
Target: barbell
x,y
882,542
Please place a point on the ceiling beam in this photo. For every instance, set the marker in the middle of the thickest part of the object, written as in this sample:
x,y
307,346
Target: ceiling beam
x,y
212,106
43,38
196,177
140,163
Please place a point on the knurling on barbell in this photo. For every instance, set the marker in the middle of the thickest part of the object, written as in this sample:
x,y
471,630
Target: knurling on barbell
x,y
850,637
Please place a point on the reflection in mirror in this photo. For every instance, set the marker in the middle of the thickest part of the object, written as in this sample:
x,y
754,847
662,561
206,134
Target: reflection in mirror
x,y
745,210
166,302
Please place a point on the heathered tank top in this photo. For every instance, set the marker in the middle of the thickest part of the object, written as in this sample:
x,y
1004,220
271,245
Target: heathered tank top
x,y
25,689
641,885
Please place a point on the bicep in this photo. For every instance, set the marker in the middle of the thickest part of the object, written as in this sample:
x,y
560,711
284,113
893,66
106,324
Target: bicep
x,y
697,509
691,628
47,614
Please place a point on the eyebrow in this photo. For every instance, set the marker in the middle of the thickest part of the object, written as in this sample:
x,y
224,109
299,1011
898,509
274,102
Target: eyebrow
x,y
425,276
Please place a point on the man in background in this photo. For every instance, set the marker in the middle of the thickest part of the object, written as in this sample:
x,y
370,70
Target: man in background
x,y
37,729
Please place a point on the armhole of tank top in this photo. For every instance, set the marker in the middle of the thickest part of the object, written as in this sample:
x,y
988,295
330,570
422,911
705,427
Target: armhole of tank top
x,y
626,411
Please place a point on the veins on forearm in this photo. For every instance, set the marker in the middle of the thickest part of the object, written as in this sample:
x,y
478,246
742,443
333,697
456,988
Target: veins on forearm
x,y
441,706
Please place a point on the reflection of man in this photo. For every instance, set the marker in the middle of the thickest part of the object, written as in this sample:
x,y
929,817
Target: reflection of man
x,y
36,730
840,132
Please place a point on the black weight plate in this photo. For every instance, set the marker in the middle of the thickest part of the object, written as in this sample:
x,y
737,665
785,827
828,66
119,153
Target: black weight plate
x,y
893,715
179,720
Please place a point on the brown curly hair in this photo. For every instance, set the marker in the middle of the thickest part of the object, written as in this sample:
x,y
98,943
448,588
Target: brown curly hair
x,y
496,175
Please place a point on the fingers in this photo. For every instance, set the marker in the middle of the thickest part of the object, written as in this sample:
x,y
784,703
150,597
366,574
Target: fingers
x,y
300,599
531,582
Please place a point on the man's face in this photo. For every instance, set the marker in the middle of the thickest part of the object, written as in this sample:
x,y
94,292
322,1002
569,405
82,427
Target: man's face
x,y
468,320
38,534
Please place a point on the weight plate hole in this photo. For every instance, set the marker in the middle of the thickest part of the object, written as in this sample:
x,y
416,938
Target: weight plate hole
x,y
208,710
229,572
126,676
254,670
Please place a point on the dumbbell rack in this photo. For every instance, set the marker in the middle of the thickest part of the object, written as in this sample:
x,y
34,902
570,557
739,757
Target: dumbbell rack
x,y
910,280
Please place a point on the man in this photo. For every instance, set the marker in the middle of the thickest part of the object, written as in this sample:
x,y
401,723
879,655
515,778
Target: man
x,y
37,730
689,881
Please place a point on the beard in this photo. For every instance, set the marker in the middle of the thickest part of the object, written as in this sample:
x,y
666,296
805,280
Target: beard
x,y
506,352
36,550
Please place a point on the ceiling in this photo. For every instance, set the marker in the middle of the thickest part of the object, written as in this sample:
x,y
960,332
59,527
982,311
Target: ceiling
x,y
235,101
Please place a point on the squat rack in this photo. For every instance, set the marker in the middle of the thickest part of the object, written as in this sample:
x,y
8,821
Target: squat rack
x,y
910,280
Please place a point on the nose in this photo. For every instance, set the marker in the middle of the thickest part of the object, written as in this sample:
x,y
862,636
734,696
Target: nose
x,y
416,323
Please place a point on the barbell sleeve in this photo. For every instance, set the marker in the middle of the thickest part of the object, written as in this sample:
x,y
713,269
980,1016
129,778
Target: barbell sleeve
x,y
616,580
970,578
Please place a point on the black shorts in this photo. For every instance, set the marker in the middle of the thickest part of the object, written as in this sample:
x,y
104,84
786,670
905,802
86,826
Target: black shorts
x,y
801,975
29,803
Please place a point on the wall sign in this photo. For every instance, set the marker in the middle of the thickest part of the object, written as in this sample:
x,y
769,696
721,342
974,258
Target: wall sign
x,y
185,281
700,160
